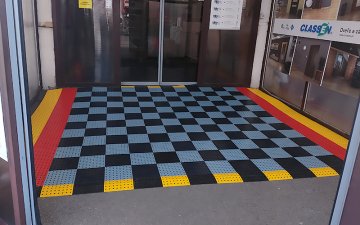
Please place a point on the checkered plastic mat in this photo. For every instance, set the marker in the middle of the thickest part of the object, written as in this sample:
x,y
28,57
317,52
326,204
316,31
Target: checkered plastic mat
x,y
138,137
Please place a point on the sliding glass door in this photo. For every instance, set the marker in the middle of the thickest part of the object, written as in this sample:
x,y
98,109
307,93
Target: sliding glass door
x,y
139,40
160,41
181,40
115,42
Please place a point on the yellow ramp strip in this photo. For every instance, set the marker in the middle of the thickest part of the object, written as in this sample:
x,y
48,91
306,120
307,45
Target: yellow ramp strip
x,y
227,178
324,172
277,175
43,112
175,181
118,185
179,86
318,128
57,190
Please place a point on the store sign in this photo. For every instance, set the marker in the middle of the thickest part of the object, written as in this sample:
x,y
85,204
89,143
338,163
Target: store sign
x,y
343,31
319,29
85,4
3,152
225,14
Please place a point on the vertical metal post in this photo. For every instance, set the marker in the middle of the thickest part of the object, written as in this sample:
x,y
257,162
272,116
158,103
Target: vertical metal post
x,y
305,95
17,82
161,40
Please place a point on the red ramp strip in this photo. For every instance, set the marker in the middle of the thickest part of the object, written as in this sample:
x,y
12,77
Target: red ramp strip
x,y
45,147
315,137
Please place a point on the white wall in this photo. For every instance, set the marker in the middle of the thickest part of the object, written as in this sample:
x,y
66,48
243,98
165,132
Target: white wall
x,y
31,47
260,43
46,44
3,152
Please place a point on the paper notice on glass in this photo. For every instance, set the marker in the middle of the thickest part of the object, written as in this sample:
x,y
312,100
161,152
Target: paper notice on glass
x,y
108,4
225,14
85,4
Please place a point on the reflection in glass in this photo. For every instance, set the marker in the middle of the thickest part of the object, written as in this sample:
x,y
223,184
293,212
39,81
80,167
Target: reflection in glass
x,y
103,33
139,40
288,9
342,72
329,106
84,44
288,88
309,59
281,52
277,79
349,10
321,9
181,40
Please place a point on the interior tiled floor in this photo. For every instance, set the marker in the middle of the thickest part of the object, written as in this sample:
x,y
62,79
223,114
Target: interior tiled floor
x,y
139,137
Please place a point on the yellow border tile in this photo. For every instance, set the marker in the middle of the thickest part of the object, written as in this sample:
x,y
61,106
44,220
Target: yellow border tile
x,y
57,190
324,172
175,181
118,185
179,86
277,175
228,178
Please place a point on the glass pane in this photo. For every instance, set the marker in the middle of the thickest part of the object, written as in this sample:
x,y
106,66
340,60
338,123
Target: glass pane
x,y
103,36
349,10
139,40
277,79
342,71
291,9
328,106
290,89
181,40
309,59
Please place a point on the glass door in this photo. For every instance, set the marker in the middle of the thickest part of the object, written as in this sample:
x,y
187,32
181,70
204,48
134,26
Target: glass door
x,y
181,40
127,41
139,41
159,41
86,43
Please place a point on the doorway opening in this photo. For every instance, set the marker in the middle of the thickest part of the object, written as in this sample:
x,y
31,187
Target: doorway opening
x,y
311,63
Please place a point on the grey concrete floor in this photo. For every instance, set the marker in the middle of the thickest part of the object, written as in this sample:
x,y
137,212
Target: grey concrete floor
x,y
295,202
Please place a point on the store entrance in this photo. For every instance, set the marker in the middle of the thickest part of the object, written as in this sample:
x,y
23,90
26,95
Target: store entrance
x,y
117,42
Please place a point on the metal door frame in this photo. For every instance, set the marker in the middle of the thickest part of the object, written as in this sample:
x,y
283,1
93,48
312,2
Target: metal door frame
x,y
14,92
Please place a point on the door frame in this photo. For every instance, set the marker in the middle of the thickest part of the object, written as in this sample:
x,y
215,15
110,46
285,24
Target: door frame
x,y
17,123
